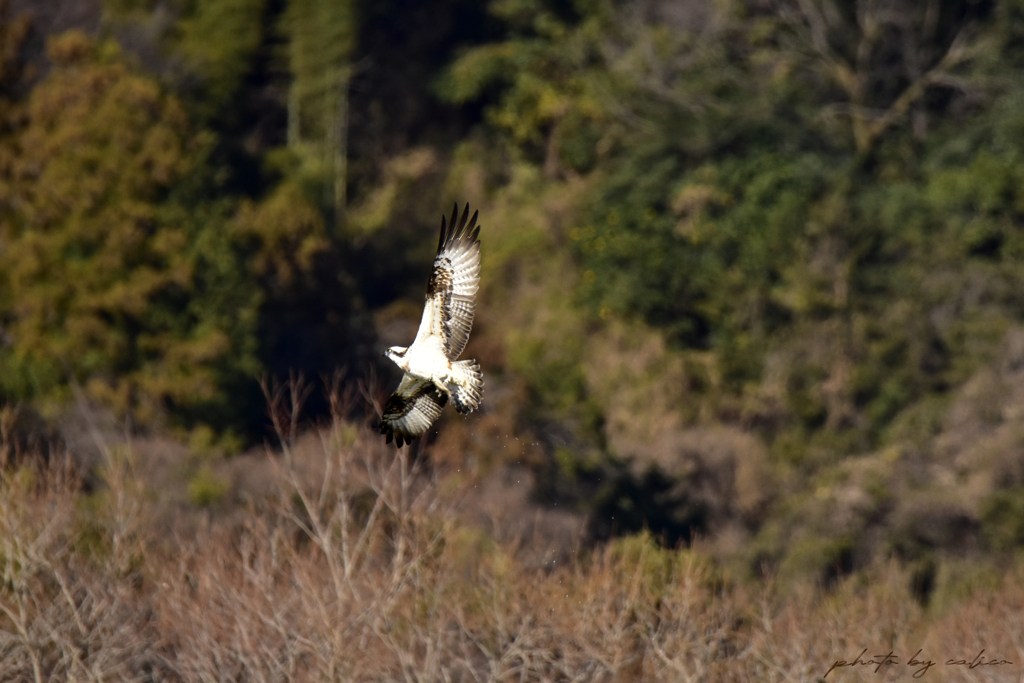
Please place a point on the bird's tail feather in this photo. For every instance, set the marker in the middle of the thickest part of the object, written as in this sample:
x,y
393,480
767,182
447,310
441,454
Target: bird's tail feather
x,y
469,385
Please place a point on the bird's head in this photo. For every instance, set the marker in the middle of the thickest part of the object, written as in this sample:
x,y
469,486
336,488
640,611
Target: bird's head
x,y
395,353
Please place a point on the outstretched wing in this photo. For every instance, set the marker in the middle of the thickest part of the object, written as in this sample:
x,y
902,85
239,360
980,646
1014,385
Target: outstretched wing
x,y
454,281
411,410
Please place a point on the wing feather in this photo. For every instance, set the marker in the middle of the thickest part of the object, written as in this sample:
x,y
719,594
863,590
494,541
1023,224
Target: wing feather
x,y
454,281
411,410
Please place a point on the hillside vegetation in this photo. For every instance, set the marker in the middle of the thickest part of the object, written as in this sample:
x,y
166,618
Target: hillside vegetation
x,y
752,310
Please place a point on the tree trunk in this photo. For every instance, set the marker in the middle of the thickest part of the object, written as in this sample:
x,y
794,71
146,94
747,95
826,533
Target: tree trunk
x,y
340,146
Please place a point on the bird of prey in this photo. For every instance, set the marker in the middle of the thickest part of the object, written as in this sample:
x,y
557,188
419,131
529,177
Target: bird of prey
x,y
432,373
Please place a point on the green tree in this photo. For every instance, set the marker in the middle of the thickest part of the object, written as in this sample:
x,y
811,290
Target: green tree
x,y
321,37
765,188
207,48
116,273
553,92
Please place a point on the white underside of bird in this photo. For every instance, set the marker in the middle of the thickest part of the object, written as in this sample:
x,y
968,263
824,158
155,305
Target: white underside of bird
x,y
428,361
432,373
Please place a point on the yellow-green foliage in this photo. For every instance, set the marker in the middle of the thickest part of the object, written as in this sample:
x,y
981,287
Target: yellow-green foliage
x,y
1002,519
206,488
642,560
219,38
108,279
817,558
958,582
286,233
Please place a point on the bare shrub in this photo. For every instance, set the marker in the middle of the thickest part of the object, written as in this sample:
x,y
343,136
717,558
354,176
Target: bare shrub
x,y
353,564
71,607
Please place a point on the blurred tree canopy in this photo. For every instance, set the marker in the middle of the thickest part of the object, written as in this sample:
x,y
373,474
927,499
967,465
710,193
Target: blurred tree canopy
x,y
773,182
798,219
116,273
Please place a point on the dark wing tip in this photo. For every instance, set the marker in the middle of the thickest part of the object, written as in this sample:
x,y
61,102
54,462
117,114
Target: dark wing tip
x,y
463,229
444,234
399,439
462,221
454,219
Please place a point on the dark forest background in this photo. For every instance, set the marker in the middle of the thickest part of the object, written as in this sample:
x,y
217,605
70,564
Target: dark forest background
x,y
753,269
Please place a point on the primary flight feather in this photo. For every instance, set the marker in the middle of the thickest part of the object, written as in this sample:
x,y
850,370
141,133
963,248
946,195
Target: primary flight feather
x,y
432,372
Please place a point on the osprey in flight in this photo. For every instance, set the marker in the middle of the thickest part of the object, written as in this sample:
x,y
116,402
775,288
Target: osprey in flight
x,y
432,373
